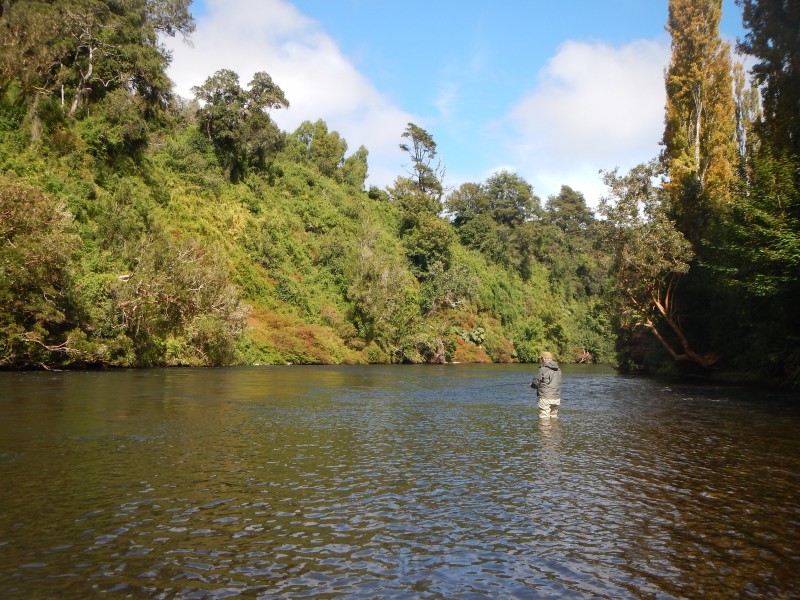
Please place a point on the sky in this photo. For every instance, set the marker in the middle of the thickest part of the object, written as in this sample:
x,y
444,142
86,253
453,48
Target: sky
x,y
554,91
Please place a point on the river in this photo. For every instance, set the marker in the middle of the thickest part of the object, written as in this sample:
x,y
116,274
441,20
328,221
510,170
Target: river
x,y
393,482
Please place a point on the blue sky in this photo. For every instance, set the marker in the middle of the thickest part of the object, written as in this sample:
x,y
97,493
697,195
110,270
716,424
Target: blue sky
x,y
554,91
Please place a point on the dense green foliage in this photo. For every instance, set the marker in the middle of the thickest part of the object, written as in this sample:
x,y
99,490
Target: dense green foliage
x,y
141,229
722,233
772,40
157,257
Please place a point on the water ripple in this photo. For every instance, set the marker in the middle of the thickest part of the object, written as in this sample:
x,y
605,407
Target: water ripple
x,y
411,484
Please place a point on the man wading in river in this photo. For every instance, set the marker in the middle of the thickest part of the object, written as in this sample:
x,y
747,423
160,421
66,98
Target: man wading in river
x,y
547,383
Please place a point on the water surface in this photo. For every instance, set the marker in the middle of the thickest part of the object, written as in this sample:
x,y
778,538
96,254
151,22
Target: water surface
x,y
393,482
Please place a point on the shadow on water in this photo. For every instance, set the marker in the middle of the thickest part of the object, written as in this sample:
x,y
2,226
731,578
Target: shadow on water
x,y
401,482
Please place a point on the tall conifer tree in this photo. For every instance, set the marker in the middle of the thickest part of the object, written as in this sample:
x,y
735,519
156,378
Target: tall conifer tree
x,y
773,40
700,154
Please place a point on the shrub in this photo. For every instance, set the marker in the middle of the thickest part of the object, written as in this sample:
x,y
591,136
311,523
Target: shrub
x,y
37,243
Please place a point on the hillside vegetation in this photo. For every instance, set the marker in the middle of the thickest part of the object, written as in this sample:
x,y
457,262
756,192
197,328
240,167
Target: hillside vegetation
x,y
151,255
141,229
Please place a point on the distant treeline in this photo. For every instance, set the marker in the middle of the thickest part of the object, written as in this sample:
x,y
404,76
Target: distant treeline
x,y
139,229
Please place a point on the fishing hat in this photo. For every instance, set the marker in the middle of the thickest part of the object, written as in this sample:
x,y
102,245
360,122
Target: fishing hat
x,y
546,356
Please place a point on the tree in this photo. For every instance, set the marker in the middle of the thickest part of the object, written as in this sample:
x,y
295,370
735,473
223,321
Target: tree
x,y
117,128
467,203
36,246
426,236
313,144
762,251
568,245
568,211
448,288
649,257
236,120
264,94
170,17
356,168
743,284
506,198
180,290
510,199
427,176
81,50
699,140
92,26
748,114
773,40
496,218
429,242
28,52
222,115
380,292
322,148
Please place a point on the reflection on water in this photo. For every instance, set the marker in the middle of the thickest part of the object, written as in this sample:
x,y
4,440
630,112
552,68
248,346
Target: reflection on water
x,y
400,482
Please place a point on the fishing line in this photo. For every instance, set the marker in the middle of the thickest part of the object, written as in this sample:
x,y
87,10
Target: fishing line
x,y
494,385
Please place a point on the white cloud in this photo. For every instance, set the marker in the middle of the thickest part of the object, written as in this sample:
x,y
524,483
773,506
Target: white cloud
x,y
594,107
247,36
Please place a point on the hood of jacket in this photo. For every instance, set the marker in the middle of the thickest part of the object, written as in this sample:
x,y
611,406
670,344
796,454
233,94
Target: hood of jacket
x,y
550,364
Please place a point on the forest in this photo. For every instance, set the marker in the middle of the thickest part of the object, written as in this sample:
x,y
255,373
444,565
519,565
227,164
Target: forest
x,y
140,229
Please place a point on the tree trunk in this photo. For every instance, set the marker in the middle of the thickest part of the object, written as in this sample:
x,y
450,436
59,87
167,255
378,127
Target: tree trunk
x,y
698,123
665,309
82,86
36,119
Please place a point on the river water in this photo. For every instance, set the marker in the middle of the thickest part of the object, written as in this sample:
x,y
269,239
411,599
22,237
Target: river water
x,y
393,482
